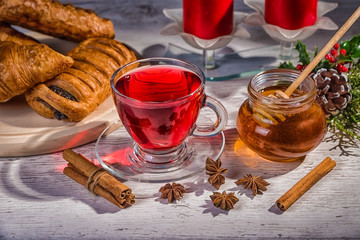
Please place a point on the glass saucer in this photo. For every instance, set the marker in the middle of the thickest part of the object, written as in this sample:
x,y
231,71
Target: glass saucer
x,y
112,149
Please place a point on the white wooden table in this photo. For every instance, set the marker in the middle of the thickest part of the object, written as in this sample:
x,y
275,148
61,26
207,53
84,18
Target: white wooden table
x,y
37,201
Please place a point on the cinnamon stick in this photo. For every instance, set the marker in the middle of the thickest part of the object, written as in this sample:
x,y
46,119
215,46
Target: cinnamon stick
x,y
81,169
294,193
79,178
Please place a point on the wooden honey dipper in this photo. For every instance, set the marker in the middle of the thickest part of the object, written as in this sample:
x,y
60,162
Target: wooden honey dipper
x,y
318,57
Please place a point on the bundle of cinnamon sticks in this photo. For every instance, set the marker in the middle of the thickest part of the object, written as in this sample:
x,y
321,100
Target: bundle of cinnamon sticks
x,y
97,180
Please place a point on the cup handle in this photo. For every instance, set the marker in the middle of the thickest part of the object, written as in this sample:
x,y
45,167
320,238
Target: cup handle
x,y
219,125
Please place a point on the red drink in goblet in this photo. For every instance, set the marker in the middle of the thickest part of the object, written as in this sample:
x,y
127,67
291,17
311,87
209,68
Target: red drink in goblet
x,y
291,14
208,19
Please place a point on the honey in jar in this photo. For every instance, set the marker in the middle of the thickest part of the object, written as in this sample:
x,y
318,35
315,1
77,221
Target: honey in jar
x,y
281,129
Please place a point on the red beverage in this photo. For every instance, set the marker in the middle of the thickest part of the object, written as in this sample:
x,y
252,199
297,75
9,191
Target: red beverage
x,y
291,14
164,105
208,19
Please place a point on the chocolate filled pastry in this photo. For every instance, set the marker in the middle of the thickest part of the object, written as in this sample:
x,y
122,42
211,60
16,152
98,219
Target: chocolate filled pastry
x,y
55,19
76,92
7,33
23,66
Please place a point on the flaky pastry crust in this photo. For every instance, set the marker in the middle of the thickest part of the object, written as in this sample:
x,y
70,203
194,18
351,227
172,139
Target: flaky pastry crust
x,y
79,90
23,66
55,19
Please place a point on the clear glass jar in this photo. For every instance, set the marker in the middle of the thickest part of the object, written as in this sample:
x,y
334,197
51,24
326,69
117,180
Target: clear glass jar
x,y
281,129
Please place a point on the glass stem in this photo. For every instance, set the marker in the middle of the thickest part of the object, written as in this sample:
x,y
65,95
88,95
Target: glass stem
x,y
286,49
209,59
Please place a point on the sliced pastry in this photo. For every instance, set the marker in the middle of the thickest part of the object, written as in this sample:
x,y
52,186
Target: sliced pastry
x,y
79,90
23,66
55,19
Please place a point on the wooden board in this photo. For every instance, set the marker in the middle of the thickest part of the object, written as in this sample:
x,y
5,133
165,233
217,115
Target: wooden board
x,y
23,132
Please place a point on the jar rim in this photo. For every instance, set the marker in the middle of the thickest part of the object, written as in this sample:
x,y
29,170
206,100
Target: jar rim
x,y
291,75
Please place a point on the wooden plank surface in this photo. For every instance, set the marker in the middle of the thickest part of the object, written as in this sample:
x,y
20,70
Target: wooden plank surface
x,y
38,200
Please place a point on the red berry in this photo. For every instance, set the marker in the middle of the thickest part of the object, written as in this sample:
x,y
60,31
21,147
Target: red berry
x,y
299,67
343,52
334,52
336,46
333,60
344,69
339,66
328,57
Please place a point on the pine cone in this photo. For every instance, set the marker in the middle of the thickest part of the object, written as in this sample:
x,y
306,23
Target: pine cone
x,y
333,92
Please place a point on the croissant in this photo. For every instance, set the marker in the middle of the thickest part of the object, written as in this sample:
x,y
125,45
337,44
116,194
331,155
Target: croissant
x,y
76,92
55,19
7,33
23,66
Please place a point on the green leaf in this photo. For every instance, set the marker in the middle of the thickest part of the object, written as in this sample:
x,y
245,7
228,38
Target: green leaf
x,y
345,45
287,65
356,52
355,40
346,58
316,51
304,57
323,64
352,46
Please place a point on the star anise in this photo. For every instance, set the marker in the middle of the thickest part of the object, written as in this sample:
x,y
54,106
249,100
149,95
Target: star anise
x,y
256,183
172,192
215,171
225,201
